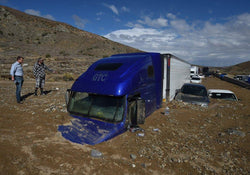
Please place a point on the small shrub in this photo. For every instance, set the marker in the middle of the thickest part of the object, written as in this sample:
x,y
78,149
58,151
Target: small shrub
x,y
68,77
63,53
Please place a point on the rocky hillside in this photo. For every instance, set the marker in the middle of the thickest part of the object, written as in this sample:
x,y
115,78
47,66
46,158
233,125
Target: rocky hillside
x,y
66,48
238,69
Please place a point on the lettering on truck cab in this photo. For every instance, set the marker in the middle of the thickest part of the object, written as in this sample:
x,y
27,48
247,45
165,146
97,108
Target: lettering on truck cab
x,y
100,77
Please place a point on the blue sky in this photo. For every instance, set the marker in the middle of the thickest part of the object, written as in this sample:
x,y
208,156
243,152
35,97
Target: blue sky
x,y
204,32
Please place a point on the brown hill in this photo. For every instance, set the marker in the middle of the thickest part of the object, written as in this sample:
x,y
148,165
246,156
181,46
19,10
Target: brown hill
x,y
238,69
32,36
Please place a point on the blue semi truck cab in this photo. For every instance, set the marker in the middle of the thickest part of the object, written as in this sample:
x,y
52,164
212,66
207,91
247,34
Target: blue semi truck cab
x,y
113,94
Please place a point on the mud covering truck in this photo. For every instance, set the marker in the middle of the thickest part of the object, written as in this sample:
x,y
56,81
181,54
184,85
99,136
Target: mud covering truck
x,y
119,92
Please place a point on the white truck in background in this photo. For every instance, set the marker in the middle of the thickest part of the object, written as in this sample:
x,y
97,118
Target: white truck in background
x,y
194,71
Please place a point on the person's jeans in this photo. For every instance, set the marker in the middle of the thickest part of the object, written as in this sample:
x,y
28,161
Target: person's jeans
x,y
19,84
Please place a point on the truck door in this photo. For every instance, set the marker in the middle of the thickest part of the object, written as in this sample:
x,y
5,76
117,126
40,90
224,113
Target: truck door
x,y
136,112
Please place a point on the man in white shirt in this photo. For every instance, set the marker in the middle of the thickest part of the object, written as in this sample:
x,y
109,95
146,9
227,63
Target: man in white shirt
x,y
16,73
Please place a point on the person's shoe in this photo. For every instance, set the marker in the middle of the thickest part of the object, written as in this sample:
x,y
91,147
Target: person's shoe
x,y
35,93
42,92
20,102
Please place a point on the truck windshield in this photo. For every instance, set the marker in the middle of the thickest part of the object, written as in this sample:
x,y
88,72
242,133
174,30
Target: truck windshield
x,y
107,108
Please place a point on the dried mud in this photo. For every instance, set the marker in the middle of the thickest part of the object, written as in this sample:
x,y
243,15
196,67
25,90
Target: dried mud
x,y
190,140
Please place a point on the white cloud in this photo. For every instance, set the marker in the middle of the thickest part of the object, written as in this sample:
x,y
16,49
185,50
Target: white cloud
x,y
79,22
143,38
243,19
171,16
205,43
99,13
49,17
180,25
33,12
125,9
132,25
159,22
112,8
38,13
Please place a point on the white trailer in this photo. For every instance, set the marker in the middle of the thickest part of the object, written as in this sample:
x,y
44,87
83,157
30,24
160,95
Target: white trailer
x,y
176,73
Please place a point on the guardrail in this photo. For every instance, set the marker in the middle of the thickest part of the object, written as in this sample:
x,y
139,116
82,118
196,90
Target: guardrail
x,y
231,80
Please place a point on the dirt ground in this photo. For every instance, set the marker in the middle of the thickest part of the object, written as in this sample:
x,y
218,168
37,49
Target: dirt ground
x,y
190,140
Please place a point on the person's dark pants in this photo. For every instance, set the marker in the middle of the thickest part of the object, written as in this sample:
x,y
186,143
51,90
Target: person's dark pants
x,y
19,83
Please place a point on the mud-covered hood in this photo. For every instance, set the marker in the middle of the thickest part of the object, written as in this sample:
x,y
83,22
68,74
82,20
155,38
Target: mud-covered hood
x,y
89,131
194,99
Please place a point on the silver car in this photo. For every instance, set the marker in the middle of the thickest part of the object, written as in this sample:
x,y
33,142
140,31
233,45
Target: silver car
x,y
193,93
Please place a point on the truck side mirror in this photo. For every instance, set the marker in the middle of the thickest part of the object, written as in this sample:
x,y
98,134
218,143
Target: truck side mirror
x,y
177,91
67,95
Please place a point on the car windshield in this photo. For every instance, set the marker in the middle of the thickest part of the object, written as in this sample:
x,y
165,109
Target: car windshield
x,y
224,96
195,78
194,90
108,108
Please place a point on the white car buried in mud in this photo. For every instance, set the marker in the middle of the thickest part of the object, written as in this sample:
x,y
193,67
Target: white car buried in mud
x,y
222,94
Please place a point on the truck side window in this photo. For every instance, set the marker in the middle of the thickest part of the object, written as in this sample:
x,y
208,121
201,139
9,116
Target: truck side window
x,y
150,71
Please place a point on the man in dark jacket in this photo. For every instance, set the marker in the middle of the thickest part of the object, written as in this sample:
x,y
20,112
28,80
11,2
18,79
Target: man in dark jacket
x,y
39,73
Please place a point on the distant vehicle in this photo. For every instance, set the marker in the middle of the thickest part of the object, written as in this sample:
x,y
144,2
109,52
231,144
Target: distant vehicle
x,y
205,71
242,77
222,94
195,79
194,70
194,94
201,76
222,75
